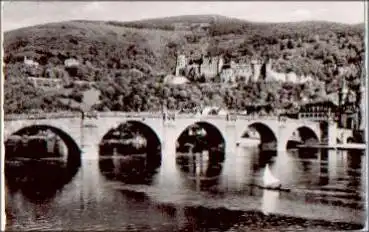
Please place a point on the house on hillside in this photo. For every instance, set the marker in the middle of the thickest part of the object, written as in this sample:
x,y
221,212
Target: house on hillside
x,y
200,28
71,62
41,82
214,110
29,62
175,80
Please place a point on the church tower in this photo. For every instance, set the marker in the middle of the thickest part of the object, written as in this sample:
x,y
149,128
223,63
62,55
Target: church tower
x,y
342,94
180,64
362,101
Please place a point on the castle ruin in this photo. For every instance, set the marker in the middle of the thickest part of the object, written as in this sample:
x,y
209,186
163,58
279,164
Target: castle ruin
x,y
212,67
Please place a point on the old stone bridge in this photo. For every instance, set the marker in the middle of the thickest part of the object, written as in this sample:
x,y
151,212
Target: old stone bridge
x,y
77,131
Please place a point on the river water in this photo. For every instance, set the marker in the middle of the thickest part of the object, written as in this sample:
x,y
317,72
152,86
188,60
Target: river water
x,y
327,192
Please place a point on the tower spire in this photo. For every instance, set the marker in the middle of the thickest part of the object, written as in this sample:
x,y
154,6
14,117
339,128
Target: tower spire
x,y
344,90
362,99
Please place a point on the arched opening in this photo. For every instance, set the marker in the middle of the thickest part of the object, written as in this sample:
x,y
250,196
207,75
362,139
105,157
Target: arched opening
x,y
303,137
263,158
261,135
131,153
200,152
350,140
40,160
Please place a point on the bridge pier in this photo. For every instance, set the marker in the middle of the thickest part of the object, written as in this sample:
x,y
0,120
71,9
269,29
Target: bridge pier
x,y
332,133
168,173
282,146
282,139
231,139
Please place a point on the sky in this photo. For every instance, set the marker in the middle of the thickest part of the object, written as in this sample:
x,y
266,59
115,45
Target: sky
x,y
21,14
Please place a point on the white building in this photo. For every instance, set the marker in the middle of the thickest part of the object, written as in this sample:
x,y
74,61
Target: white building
x,y
29,62
175,80
71,62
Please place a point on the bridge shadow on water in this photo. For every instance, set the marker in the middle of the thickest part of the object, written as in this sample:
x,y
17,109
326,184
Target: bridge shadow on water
x,y
36,163
199,171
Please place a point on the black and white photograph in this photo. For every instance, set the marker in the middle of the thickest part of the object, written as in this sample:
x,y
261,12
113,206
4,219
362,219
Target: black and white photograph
x,y
184,116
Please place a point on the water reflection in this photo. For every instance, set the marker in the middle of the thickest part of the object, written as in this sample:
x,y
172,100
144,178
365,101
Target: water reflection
x,y
263,158
324,168
200,154
130,153
39,162
130,169
200,168
325,179
38,180
269,201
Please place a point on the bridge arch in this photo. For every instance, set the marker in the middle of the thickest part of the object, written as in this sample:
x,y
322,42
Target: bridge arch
x,y
217,136
74,151
125,161
212,140
135,127
30,177
350,139
267,134
304,133
200,150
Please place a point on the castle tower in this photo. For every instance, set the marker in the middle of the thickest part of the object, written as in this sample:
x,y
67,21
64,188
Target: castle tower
x,y
214,66
268,68
344,90
255,66
220,64
342,94
362,102
181,64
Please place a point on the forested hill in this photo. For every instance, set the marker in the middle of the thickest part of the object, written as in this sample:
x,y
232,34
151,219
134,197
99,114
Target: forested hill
x,y
146,50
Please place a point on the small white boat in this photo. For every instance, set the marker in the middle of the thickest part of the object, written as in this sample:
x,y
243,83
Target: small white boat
x,y
269,181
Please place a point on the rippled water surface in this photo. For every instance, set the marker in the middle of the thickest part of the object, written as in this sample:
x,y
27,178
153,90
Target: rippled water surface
x,y
117,193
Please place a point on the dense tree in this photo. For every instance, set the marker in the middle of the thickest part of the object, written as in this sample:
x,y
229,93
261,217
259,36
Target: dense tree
x,y
128,64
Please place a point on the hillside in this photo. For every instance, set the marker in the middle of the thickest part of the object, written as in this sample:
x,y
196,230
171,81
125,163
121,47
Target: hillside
x,y
142,51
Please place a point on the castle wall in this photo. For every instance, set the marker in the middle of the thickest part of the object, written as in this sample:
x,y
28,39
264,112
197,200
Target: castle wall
x,y
213,66
209,68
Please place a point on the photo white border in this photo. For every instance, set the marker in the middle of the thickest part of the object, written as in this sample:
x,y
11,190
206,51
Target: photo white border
x,y
2,151
366,23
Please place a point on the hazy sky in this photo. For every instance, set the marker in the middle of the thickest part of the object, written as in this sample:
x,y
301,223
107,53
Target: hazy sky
x,y
21,14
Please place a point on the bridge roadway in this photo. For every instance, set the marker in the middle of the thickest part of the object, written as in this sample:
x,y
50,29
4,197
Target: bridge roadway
x,y
78,131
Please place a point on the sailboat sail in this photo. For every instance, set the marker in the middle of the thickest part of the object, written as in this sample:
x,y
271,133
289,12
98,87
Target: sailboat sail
x,y
268,178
